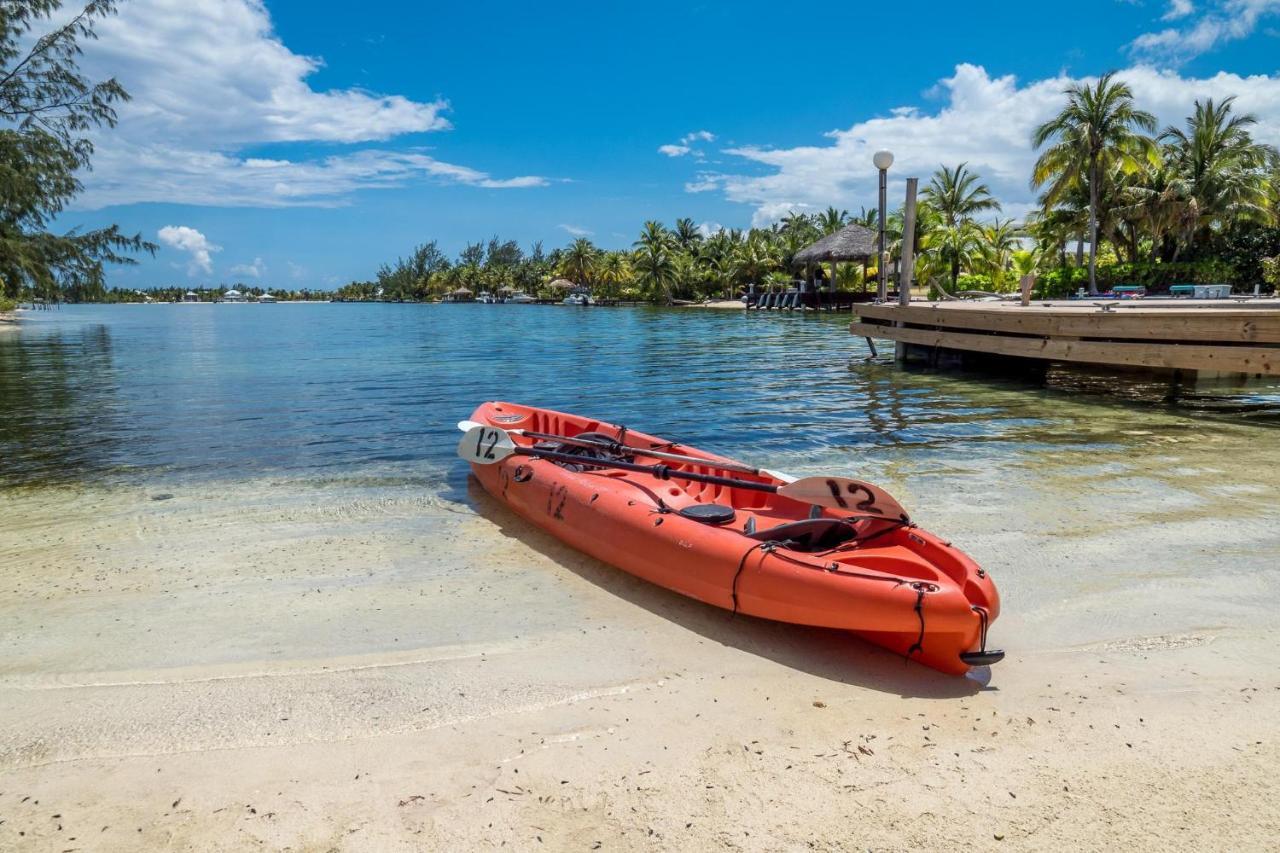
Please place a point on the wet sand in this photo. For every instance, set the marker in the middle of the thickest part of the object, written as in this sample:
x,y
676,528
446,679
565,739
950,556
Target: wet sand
x,y
323,666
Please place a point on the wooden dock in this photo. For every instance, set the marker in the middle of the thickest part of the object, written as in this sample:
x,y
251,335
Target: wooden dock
x,y
1215,337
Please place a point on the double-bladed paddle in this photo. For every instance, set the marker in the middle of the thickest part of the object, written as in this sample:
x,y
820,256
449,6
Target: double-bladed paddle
x,y
487,445
639,451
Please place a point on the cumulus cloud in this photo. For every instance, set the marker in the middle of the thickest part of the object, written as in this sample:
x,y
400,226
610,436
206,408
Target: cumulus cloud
x,y
1228,21
985,121
577,230
184,238
150,172
254,270
708,229
211,78
686,144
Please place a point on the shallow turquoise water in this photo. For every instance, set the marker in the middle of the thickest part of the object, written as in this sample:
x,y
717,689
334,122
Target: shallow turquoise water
x,y
1103,508
192,392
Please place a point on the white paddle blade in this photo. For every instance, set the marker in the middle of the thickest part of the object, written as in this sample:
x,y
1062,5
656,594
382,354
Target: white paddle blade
x,y
853,496
485,445
467,426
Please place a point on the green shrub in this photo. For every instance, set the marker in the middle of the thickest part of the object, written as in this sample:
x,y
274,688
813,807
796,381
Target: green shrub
x,y
970,281
1271,272
1155,277
7,305
1060,283
1245,246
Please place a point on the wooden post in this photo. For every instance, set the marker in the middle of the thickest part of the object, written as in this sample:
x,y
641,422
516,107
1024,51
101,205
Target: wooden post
x,y
1026,284
908,267
834,264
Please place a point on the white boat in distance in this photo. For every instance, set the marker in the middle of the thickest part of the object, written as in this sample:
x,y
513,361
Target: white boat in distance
x,y
521,298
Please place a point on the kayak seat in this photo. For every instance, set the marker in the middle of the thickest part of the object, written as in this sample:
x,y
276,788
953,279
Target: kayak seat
x,y
811,534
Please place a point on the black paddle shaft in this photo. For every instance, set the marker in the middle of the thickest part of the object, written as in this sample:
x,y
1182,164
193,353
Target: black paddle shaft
x,y
662,472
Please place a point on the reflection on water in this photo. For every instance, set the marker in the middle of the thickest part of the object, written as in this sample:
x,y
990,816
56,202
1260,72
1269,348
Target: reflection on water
x,y
57,402
197,392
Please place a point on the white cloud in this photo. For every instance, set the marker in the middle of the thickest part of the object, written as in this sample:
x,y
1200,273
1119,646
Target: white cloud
x,y
257,269
210,78
1228,21
297,272
707,229
184,238
149,172
577,230
686,144
985,121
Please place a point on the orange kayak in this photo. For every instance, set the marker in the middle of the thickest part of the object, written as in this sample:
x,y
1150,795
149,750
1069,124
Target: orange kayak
x,y
742,549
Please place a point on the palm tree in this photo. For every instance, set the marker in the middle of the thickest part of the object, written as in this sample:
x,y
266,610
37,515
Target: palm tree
x,y
579,261
867,217
1160,202
956,195
656,270
997,244
1221,165
755,257
1096,128
654,234
613,269
832,220
687,235
1273,192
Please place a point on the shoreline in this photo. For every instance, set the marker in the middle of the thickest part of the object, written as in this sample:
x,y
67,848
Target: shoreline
x,y
268,662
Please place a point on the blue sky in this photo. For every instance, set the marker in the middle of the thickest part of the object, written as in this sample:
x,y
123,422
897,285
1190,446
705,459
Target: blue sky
x,y
296,144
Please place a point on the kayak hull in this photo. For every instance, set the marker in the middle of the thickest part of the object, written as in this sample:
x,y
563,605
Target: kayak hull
x,y
897,586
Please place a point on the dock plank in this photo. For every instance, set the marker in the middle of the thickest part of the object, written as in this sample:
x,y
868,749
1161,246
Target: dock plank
x,y
1225,325
1163,354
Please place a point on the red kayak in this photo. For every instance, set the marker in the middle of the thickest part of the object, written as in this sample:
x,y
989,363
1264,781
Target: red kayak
x,y
718,531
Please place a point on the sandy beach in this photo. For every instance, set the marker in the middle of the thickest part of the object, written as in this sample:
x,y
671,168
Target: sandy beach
x,y
287,665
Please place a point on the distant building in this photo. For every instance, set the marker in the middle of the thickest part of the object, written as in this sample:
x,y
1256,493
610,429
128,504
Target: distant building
x,y
190,296
267,299
233,296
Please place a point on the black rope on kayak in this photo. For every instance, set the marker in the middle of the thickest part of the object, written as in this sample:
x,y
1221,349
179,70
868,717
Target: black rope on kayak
x,y
918,645
984,621
764,548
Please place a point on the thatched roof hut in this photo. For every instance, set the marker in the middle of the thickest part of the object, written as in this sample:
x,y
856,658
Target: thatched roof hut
x,y
853,242
562,284
461,291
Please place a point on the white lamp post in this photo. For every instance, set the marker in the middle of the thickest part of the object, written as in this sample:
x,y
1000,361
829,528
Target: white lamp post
x,y
882,160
